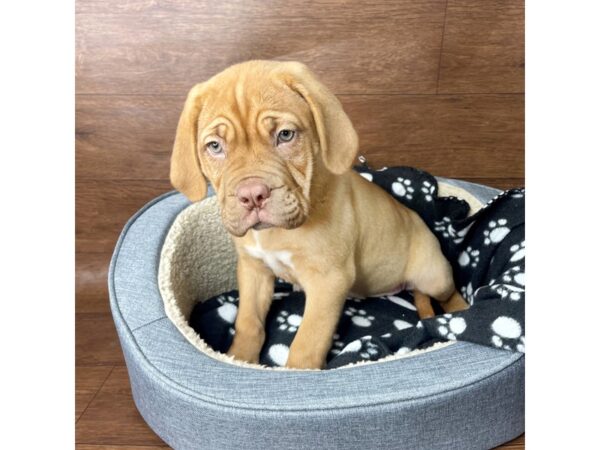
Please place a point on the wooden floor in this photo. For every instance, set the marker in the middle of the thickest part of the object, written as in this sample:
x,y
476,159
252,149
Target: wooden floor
x,y
436,84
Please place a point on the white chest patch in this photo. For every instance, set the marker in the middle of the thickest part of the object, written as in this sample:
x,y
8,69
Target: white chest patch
x,y
278,261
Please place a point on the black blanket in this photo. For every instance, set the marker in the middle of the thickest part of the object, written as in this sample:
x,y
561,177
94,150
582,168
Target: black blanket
x,y
487,253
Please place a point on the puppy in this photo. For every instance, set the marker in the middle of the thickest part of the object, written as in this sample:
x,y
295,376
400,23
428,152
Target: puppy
x,y
278,148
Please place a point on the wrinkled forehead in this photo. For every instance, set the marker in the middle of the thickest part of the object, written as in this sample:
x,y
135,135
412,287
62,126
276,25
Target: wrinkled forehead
x,y
250,102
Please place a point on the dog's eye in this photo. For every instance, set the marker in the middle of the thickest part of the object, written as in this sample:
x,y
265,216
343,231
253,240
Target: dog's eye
x,y
285,136
214,147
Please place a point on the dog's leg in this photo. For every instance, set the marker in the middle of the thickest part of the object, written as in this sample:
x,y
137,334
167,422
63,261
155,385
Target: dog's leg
x,y
443,291
454,303
325,296
423,305
255,283
433,278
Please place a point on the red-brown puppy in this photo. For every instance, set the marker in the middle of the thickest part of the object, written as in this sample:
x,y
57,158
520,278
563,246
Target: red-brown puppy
x,y
278,148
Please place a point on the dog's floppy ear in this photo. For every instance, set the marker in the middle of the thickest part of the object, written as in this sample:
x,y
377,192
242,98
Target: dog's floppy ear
x,y
186,173
337,138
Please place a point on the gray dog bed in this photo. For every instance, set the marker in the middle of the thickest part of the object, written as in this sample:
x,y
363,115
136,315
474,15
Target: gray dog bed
x,y
451,395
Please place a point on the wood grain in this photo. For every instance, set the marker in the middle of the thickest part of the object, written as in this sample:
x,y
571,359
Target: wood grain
x,y
104,206
125,136
255,9
515,444
457,136
119,447
112,418
91,287
477,136
96,341
484,47
88,381
393,47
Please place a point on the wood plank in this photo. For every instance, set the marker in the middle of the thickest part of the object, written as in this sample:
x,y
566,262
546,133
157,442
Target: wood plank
x,y
125,136
112,418
499,183
255,9
91,283
484,47
118,447
88,381
460,136
96,341
103,207
478,136
515,444
387,47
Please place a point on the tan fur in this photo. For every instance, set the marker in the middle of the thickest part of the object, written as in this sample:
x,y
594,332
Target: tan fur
x,y
322,235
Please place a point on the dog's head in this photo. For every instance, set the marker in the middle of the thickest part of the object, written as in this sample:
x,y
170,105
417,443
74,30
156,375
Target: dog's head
x,y
260,132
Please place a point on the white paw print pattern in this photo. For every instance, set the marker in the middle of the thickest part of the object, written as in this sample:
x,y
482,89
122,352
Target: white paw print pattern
x,y
496,232
228,312
337,345
506,291
369,350
403,188
518,194
428,189
280,295
467,293
353,346
450,327
445,227
508,334
401,302
518,252
514,276
512,285
288,322
367,176
359,317
469,256
402,324
222,299
278,353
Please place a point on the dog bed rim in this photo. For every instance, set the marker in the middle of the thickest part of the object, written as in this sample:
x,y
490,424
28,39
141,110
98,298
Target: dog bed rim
x,y
159,375
217,402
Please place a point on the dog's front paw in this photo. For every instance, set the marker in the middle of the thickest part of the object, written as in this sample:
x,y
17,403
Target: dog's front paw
x,y
304,360
246,348
243,353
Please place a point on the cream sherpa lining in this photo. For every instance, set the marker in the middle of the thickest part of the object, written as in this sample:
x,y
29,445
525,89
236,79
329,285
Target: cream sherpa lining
x,y
198,261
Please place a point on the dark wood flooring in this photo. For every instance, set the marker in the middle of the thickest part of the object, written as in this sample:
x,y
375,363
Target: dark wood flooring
x,y
436,84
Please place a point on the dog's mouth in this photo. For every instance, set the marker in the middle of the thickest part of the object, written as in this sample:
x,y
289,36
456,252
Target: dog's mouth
x,y
262,226
238,222
258,219
261,219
